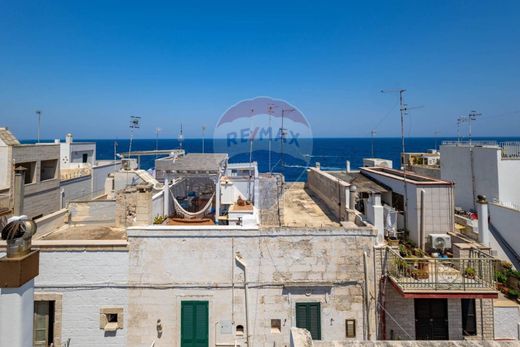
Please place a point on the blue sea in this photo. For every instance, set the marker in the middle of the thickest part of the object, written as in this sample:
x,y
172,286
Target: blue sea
x,y
331,153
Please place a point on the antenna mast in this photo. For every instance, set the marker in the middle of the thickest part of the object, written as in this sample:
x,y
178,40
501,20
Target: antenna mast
x,y
203,130
283,132
372,134
134,124
180,138
157,130
403,111
39,115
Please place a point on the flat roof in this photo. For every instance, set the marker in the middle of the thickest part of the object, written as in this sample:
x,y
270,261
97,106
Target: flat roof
x,y
362,183
303,209
86,232
400,175
204,162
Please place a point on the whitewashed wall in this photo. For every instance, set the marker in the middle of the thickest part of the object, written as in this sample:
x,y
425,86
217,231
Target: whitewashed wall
x,y
507,222
88,280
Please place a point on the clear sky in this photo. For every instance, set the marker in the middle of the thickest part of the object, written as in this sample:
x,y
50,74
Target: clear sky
x,y
89,65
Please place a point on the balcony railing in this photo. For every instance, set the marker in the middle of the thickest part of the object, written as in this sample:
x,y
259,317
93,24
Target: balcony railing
x,y
475,273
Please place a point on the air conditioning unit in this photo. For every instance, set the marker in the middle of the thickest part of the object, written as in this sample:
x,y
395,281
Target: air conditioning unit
x,y
440,241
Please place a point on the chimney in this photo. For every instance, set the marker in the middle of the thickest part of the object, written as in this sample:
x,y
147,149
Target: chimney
x,y
68,138
347,165
19,190
483,227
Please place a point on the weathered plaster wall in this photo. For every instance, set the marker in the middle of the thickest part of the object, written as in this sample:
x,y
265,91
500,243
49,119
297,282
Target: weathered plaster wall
x,y
169,265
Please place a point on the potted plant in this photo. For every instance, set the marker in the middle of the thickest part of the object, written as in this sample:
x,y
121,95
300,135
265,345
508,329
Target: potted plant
x,y
501,279
469,272
419,274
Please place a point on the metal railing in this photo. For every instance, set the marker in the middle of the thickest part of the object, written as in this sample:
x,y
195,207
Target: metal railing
x,y
475,273
510,150
473,143
508,204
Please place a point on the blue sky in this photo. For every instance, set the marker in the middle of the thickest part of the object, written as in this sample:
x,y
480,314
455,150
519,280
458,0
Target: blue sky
x,y
89,65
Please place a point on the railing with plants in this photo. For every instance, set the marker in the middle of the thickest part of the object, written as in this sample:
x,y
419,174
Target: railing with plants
x,y
508,280
416,272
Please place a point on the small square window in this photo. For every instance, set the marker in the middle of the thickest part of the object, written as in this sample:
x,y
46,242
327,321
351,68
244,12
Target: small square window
x,y
111,318
276,326
350,327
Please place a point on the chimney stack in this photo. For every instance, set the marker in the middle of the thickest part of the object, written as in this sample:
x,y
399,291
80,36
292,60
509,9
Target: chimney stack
x,y
68,138
347,165
19,190
483,226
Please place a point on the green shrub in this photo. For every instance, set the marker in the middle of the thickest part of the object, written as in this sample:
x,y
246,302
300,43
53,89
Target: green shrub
x,y
501,277
469,272
513,294
159,219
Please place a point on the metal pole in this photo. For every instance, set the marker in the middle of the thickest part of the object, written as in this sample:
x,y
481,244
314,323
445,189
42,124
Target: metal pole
x,y
403,111
203,130
39,114
270,137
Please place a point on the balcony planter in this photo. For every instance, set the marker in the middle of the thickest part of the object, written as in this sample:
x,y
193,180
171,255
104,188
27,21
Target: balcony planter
x,y
393,242
469,272
420,274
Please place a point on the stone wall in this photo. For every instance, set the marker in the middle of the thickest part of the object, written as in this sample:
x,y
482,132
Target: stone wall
x,y
270,201
333,192
171,264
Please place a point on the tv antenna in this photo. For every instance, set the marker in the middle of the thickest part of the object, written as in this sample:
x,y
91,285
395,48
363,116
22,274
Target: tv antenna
x,y
403,108
134,124
283,132
157,131
472,116
270,113
39,116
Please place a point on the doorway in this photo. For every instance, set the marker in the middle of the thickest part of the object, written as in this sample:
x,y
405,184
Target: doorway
x,y
431,319
194,324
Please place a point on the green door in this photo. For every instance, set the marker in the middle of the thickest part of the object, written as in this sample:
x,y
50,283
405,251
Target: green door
x,y
308,316
194,324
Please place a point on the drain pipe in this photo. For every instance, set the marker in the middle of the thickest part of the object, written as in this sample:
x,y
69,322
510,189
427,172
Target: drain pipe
x,y
421,233
367,314
243,265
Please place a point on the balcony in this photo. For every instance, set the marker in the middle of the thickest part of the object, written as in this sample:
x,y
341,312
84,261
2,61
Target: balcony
x,y
449,276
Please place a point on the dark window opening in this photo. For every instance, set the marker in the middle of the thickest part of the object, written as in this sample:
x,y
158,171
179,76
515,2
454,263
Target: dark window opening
x,y
469,317
240,330
397,201
29,171
85,157
43,325
112,317
48,169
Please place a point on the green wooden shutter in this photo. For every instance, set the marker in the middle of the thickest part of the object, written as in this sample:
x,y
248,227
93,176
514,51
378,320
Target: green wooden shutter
x,y
194,324
308,316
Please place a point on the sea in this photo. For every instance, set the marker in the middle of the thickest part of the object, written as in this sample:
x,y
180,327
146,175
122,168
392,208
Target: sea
x,y
330,153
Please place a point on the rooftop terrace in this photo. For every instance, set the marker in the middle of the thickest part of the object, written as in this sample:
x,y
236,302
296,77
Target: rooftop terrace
x,y
302,208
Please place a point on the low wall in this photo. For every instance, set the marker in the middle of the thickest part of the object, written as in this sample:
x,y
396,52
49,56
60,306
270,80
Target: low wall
x,y
158,204
50,222
94,211
333,192
506,221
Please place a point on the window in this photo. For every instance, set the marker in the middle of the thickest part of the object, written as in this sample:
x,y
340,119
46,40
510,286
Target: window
x,y
308,316
276,326
85,157
469,320
240,330
350,328
29,171
43,325
111,318
48,169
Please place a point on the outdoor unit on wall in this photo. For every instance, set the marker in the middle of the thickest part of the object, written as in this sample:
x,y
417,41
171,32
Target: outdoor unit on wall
x,y
440,241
